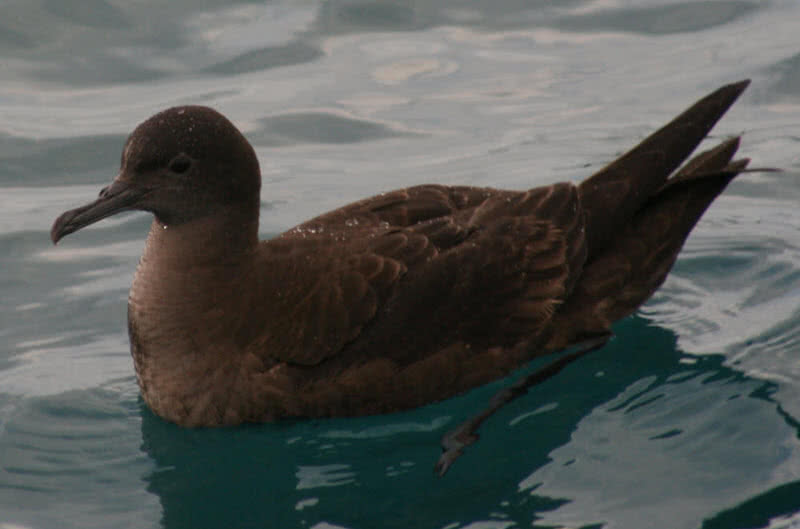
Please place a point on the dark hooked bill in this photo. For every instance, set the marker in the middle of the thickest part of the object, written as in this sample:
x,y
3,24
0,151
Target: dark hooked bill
x,y
119,196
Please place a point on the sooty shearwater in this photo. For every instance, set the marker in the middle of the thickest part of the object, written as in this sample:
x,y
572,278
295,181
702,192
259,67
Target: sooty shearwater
x,y
394,301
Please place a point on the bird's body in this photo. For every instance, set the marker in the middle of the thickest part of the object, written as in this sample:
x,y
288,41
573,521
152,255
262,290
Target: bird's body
x,y
397,300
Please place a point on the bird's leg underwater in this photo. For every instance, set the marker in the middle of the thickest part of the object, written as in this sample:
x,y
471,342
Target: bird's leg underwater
x,y
455,441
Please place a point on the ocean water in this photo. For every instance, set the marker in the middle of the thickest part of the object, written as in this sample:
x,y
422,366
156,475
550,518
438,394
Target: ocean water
x,y
689,418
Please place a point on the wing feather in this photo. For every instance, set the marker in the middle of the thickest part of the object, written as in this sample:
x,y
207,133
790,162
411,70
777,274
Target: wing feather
x,y
478,265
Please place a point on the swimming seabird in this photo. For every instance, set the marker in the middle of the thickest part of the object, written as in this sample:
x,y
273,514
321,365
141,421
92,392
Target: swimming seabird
x,y
394,301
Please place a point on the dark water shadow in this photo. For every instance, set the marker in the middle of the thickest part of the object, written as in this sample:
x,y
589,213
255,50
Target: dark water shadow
x,y
685,17
52,161
785,77
759,511
319,127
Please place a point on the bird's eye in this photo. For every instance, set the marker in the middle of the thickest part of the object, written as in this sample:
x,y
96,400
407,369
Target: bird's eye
x,y
180,164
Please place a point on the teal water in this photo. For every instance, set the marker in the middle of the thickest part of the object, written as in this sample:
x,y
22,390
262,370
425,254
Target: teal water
x,y
689,418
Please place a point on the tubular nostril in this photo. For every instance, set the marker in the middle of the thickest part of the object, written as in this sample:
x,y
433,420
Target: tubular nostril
x,y
103,192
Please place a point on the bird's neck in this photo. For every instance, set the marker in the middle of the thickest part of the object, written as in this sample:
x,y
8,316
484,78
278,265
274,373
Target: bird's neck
x,y
197,264
223,238
193,284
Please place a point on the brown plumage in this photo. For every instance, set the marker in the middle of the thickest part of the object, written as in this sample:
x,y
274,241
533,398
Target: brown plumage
x,y
397,300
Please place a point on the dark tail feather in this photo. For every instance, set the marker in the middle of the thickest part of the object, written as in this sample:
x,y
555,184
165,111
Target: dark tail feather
x,y
653,237
611,196
684,201
627,272
710,161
